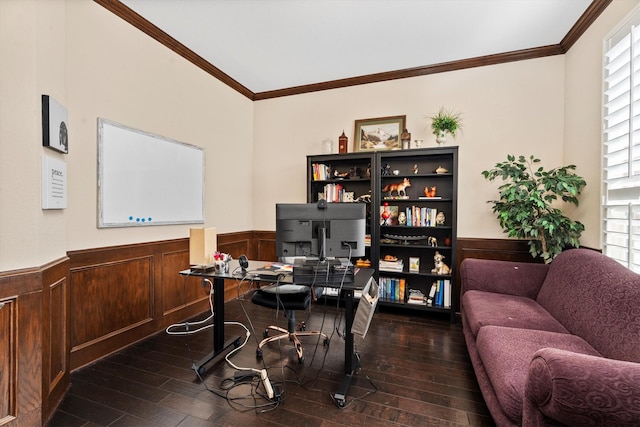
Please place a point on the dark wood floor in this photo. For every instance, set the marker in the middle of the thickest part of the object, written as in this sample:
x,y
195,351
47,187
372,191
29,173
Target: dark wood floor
x,y
415,371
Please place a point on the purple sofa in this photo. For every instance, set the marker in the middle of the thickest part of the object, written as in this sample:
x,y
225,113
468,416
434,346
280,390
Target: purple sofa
x,y
556,344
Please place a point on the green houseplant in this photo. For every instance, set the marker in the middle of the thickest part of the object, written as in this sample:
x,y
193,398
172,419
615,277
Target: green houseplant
x,y
445,121
525,207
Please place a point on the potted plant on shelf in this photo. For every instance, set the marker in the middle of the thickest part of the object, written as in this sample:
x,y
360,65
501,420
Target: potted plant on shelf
x,y
525,207
445,122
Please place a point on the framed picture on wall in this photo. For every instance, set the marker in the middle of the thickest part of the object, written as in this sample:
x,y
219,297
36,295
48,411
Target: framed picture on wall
x,y
379,134
55,133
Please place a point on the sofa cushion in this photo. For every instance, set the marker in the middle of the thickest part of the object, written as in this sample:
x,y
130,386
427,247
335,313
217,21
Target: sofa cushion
x,y
506,354
487,308
596,298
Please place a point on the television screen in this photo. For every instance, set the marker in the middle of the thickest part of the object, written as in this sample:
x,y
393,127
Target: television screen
x,y
320,230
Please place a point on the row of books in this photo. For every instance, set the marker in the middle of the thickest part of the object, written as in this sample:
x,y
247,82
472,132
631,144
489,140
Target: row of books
x,y
418,216
440,294
392,289
396,290
321,172
335,193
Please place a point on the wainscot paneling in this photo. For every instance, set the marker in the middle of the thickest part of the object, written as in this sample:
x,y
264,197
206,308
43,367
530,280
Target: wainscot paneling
x,y
122,294
21,348
56,334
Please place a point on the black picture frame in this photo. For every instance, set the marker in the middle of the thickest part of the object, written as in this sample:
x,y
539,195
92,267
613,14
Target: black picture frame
x,y
55,130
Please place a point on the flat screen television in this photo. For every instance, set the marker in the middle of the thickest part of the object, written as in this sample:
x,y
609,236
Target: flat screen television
x,y
320,230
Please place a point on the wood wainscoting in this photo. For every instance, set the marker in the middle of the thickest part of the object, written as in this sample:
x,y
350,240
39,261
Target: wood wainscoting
x,y
121,294
34,352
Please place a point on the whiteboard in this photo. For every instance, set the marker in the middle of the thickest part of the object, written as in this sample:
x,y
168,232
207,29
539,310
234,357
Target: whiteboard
x,y
146,179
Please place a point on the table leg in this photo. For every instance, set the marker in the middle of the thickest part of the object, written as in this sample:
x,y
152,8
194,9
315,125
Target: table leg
x,y
219,344
351,358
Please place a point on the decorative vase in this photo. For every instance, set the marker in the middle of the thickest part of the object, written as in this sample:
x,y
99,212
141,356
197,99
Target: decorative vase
x,y
441,137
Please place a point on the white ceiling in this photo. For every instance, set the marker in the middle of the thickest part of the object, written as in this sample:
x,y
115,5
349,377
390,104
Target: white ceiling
x,y
268,45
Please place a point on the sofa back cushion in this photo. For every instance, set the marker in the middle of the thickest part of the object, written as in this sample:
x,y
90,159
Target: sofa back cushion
x,y
597,299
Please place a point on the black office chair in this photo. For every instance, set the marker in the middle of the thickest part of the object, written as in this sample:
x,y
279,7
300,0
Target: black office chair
x,y
288,298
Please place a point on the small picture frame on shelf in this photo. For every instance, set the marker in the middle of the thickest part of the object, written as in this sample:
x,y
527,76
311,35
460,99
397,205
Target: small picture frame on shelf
x,y
388,215
414,264
379,134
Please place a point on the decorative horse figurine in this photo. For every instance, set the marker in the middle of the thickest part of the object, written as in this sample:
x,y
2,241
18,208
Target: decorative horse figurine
x,y
399,188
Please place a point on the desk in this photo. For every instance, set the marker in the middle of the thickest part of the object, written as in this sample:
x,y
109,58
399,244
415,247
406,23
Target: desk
x,y
351,358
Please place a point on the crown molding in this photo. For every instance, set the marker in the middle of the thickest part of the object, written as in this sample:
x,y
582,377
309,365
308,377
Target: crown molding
x,y
588,17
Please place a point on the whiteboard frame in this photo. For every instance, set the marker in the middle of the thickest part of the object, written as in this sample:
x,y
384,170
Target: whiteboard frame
x,y
102,198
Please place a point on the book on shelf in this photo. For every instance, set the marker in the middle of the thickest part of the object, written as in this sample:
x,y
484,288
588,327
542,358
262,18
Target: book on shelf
x,y
416,297
320,171
432,293
397,265
447,293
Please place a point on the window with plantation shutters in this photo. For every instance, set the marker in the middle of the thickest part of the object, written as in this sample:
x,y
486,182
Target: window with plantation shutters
x,y
621,144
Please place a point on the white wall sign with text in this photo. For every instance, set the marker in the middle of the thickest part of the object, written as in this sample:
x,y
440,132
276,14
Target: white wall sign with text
x,y
54,183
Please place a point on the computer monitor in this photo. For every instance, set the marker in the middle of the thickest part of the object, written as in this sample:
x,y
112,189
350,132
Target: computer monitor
x,y
320,230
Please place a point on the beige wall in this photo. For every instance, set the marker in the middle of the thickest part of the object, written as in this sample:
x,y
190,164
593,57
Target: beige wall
x,y
32,63
515,108
549,107
118,73
99,66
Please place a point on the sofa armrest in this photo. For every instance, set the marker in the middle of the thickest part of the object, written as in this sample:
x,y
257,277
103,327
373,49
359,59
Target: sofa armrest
x,y
505,277
581,390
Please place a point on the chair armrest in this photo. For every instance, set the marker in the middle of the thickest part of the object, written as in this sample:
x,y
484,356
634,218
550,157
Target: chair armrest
x,y
504,277
581,390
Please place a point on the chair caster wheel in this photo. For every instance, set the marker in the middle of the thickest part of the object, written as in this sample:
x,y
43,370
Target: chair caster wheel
x,y
237,343
300,360
201,370
265,334
259,354
326,342
340,403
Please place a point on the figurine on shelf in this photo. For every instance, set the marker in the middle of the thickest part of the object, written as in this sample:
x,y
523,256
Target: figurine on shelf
x,y
440,267
440,218
386,170
365,198
430,191
440,170
415,169
399,188
432,241
385,215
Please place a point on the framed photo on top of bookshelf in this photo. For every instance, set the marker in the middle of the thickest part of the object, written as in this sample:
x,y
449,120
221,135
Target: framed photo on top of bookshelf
x,y
379,134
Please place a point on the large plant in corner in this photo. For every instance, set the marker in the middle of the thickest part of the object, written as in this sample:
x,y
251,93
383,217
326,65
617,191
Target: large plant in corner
x,y
527,208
